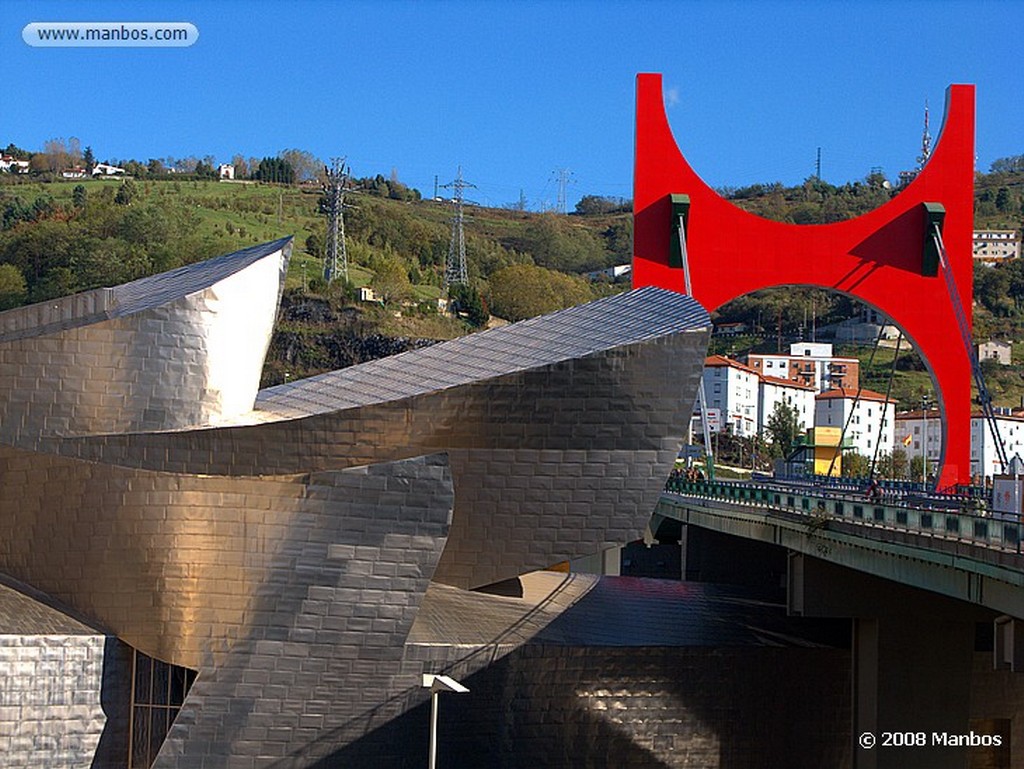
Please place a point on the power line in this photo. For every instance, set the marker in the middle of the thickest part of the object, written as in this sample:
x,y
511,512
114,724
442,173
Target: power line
x,y
335,187
455,272
564,178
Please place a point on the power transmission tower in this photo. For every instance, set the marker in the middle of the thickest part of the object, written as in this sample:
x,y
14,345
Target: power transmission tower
x,y
926,141
455,272
335,187
564,178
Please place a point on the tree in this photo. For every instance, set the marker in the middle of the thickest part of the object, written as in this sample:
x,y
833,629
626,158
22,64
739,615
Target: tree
x,y
1007,165
992,290
524,290
126,193
241,167
894,465
783,427
275,170
467,301
917,468
596,204
391,281
1014,273
74,151
305,165
89,160
16,152
79,196
559,244
618,240
57,156
12,287
314,246
1003,200
855,465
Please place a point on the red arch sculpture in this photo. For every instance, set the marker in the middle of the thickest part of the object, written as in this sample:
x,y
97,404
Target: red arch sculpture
x,y
876,258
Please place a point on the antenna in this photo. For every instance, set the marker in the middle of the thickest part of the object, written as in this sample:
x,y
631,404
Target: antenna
x,y
455,272
564,178
333,204
926,141
817,166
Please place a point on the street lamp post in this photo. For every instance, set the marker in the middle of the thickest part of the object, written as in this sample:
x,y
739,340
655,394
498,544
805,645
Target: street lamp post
x,y
924,440
1015,464
438,684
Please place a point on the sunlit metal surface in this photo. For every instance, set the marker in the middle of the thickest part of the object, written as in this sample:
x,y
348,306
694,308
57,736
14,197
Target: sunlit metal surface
x,y
284,550
176,350
560,430
59,679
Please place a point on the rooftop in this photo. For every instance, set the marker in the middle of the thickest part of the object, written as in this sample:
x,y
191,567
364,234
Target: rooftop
x,y
843,393
717,361
630,318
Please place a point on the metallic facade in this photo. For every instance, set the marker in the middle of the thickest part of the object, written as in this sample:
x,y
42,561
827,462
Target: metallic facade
x,y
282,544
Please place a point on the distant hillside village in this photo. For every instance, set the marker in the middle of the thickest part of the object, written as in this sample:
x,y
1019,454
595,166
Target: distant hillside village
x,y
832,415
13,165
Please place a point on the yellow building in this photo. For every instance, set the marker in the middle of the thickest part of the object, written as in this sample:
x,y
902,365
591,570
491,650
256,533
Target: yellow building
x,y
827,453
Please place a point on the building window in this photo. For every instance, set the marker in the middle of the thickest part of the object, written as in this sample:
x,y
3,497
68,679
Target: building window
x,y
158,691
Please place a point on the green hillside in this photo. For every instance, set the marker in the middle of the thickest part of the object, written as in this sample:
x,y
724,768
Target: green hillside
x,y
58,237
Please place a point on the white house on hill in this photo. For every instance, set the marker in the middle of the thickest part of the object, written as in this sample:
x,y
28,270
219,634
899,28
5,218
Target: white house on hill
x,y
105,169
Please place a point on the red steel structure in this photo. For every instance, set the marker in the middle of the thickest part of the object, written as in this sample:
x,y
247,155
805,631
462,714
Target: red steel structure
x,y
879,258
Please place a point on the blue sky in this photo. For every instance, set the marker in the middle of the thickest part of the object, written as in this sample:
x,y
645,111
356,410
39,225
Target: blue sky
x,y
513,91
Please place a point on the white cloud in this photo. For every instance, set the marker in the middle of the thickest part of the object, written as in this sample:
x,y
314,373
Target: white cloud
x,y
672,97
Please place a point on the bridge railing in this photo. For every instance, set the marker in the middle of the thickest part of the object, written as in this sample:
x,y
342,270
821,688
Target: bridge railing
x,y
893,487
956,518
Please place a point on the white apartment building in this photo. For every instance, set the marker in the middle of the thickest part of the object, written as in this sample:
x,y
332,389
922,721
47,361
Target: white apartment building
x,y
798,396
810,363
984,457
917,430
994,246
920,433
731,389
869,419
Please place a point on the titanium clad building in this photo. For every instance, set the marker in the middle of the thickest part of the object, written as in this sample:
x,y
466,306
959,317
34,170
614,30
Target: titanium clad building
x,y
240,573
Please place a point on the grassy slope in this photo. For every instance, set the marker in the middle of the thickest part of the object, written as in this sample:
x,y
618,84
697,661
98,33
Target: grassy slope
x,y
245,214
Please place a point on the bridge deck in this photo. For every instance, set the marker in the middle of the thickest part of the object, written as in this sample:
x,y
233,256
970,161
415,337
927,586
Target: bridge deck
x,y
968,555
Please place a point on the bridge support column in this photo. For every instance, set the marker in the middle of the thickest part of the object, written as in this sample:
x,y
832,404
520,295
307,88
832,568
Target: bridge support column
x,y
913,655
912,680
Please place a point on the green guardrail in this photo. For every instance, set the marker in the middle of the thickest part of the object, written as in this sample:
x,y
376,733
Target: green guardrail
x,y
966,523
